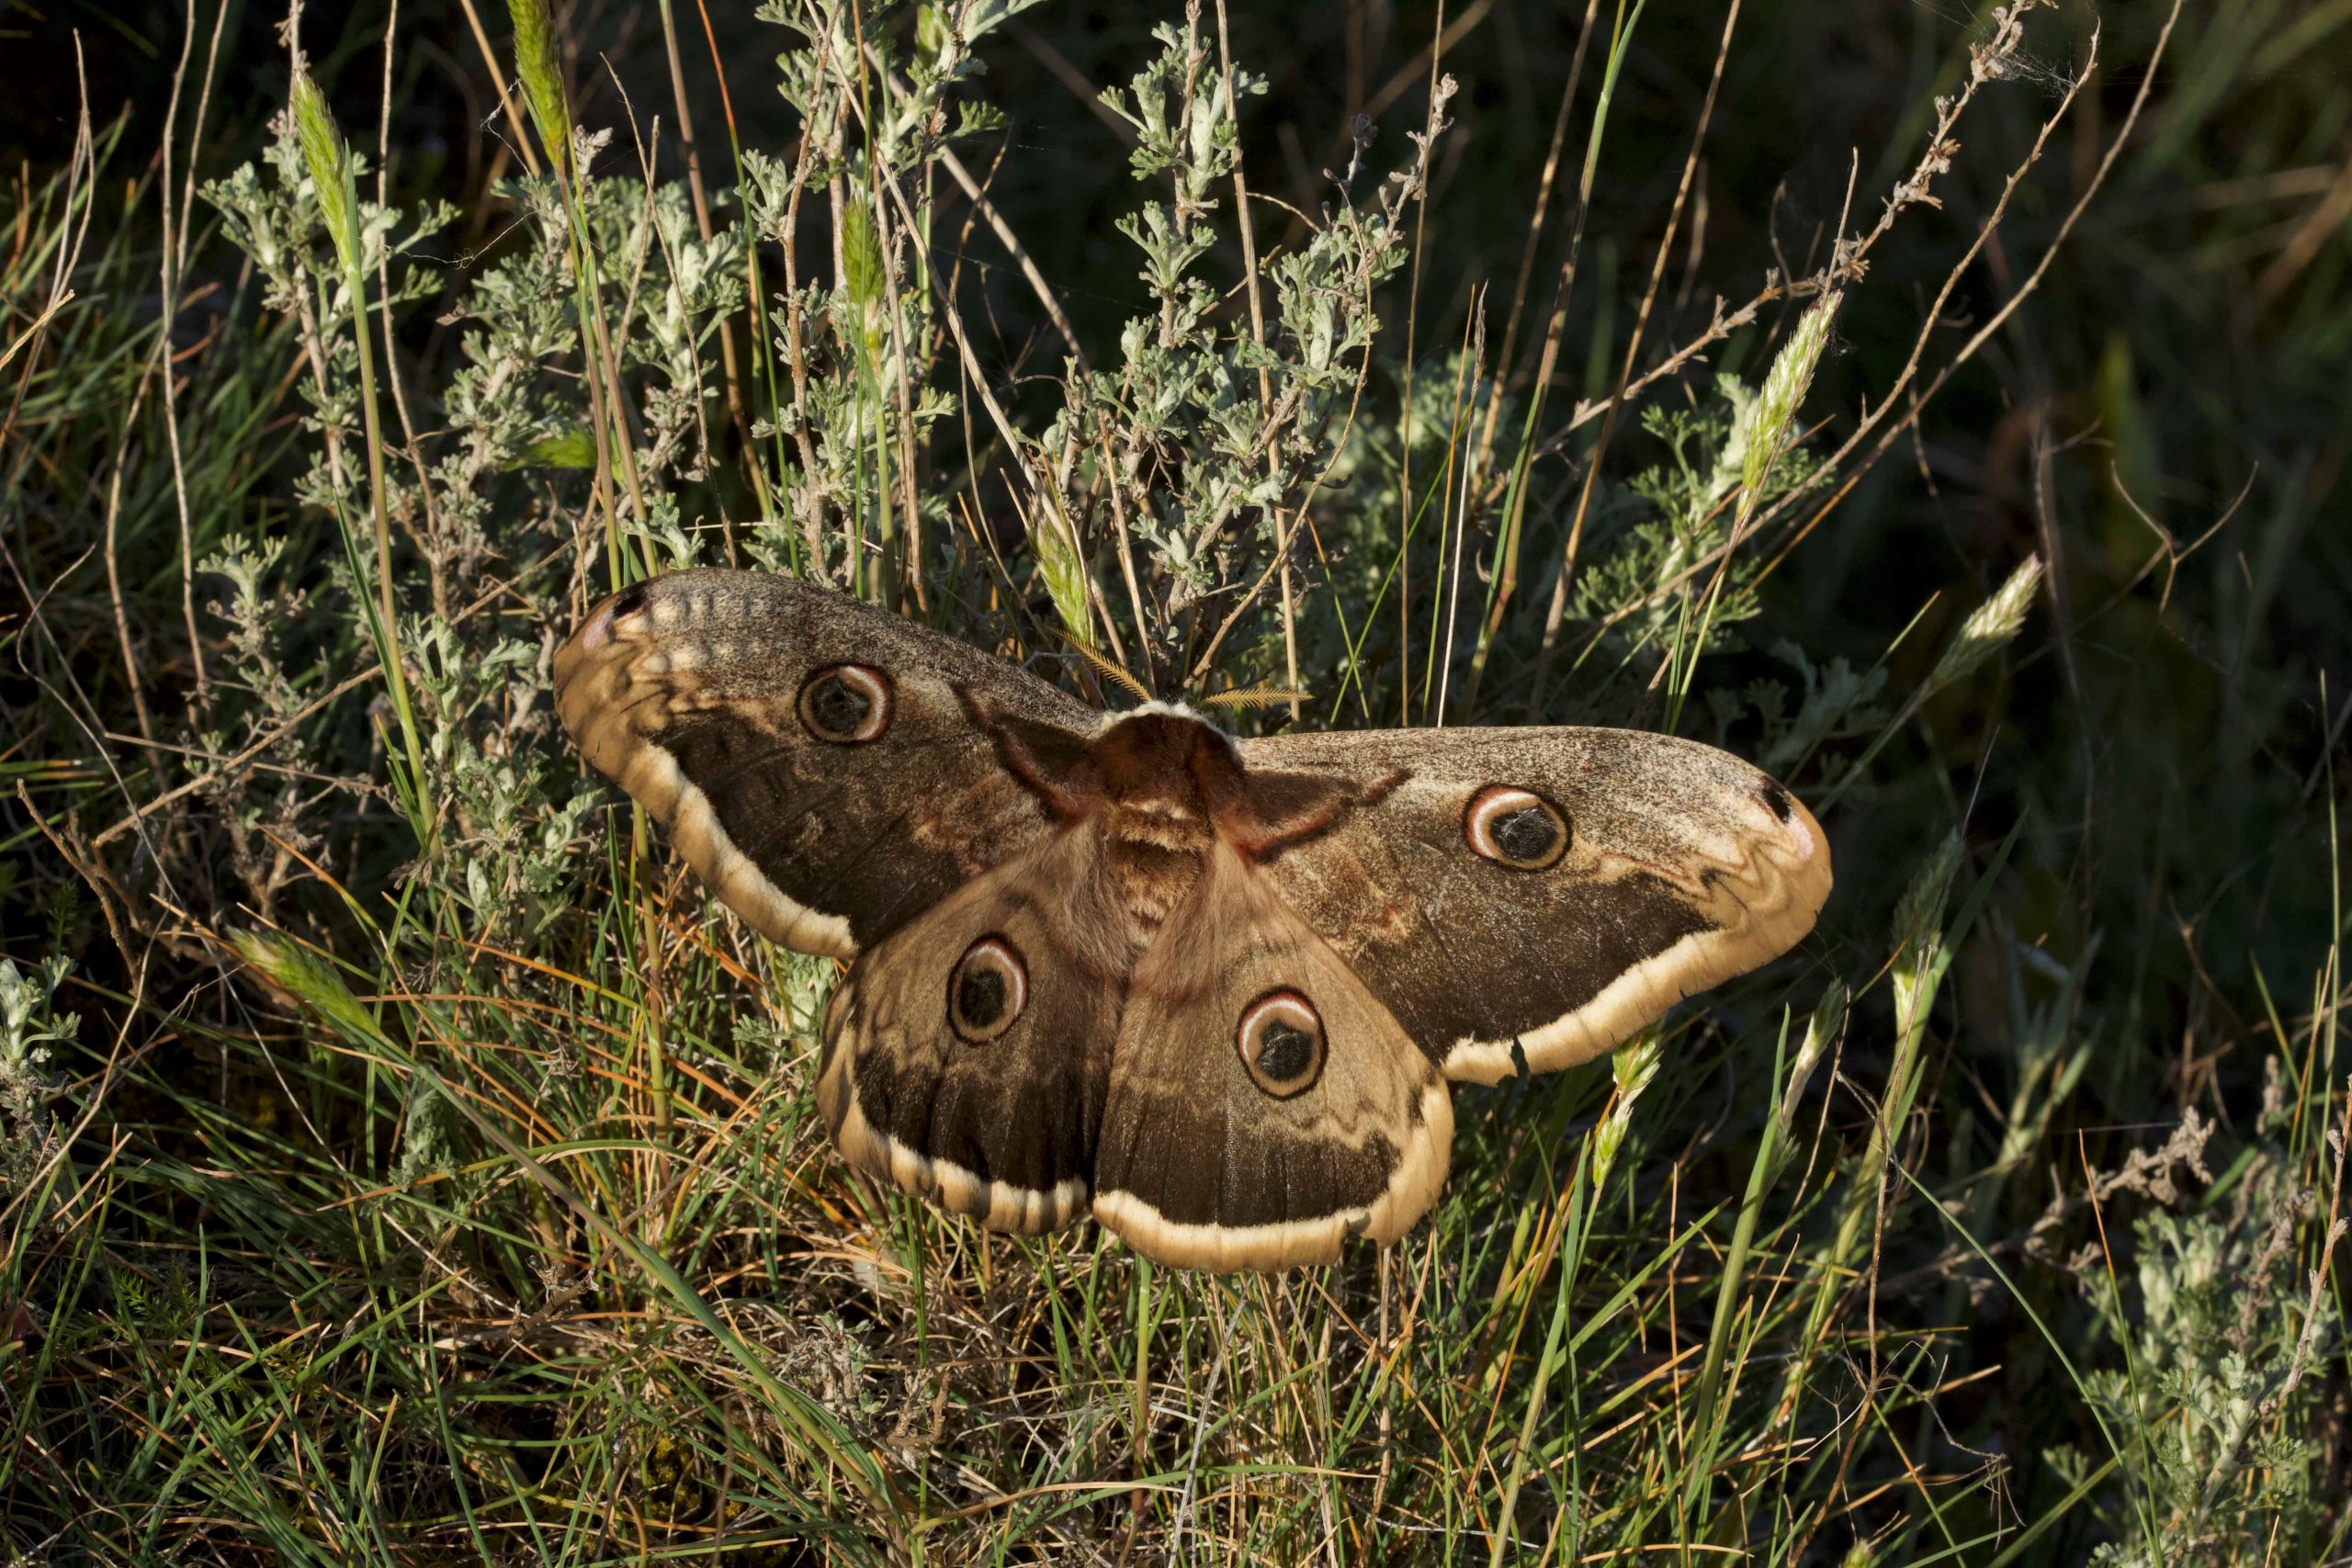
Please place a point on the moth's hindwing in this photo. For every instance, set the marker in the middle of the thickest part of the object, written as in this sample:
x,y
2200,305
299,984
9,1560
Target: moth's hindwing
x,y
1263,1106
965,1053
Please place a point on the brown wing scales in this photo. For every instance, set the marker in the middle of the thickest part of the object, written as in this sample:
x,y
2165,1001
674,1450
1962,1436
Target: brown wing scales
x,y
812,755
1228,1144
966,1054
1682,867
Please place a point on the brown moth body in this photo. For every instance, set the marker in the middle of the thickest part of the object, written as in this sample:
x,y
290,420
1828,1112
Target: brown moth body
x,y
1152,782
1161,787
1212,989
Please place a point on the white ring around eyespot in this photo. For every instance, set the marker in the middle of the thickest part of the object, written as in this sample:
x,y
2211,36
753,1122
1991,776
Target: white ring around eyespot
x,y
1495,802
870,683
1285,1006
1006,959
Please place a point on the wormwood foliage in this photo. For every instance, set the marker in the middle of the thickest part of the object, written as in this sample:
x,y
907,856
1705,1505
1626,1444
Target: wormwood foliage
x,y
403,1161
2217,1388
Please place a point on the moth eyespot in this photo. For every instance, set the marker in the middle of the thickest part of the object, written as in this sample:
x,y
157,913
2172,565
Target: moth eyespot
x,y
600,627
1516,828
846,705
987,991
1281,1042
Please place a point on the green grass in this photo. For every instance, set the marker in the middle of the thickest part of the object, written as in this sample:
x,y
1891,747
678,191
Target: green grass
x,y
403,1161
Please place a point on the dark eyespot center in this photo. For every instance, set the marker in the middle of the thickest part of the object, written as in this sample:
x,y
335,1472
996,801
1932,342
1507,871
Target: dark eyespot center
x,y
1280,1041
1284,1051
988,990
838,705
1779,801
1526,834
980,997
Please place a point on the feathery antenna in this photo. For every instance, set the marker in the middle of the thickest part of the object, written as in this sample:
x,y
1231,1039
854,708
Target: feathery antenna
x,y
1256,697
1105,667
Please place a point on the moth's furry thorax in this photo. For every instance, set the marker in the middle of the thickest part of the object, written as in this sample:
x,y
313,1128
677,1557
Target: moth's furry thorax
x,y
1165,760
1164,787
1160,777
